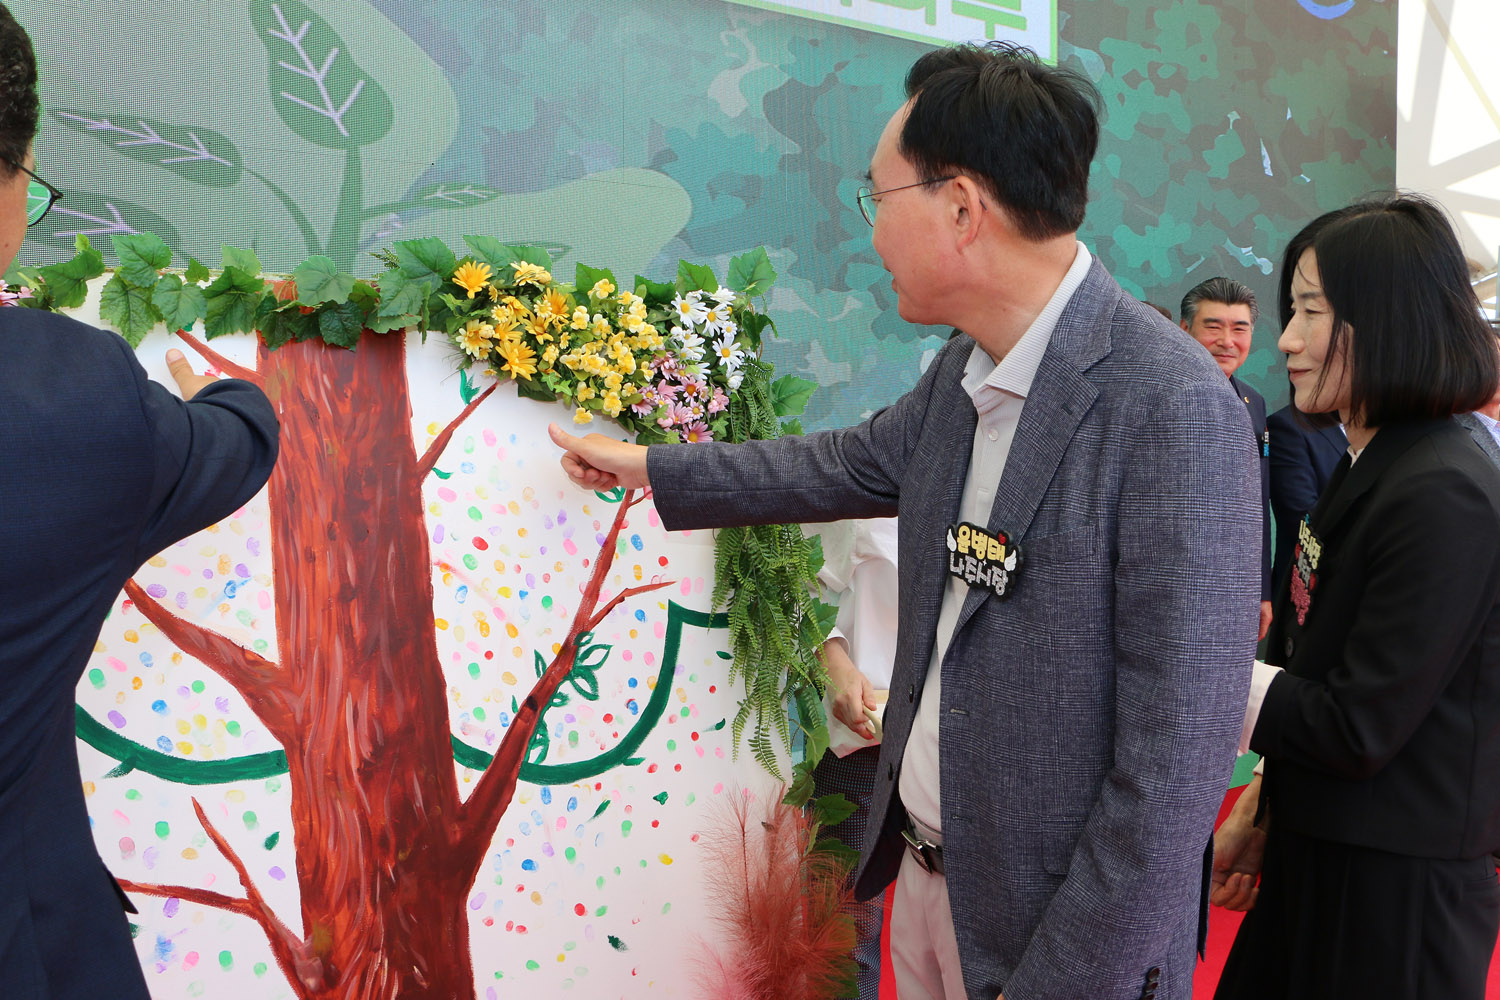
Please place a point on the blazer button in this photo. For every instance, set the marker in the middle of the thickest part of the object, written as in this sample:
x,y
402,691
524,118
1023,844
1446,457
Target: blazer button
x,y
890,772
1291,645
911,692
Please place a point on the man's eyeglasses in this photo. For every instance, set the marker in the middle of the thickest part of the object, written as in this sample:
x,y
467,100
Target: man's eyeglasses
x,y
865,198
40,196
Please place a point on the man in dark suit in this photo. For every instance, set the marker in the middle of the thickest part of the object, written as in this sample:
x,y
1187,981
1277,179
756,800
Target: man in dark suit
x,y
1302,459
99,470
1220,314
1078,541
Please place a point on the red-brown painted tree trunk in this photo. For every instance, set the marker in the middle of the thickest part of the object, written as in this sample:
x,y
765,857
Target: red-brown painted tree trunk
x,y
375,802
386,851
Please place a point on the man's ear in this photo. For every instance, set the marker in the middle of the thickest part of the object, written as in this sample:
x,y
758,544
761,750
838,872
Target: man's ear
x,y
1186,328
970,212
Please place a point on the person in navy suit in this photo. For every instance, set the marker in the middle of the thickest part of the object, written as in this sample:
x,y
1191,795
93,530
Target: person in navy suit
x,y
100,469
1302,460
1220,314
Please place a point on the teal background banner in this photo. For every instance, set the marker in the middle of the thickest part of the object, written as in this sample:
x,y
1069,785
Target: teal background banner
x,y
631,133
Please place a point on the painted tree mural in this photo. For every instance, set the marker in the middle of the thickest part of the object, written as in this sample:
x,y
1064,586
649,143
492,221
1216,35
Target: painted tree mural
x,y
386,849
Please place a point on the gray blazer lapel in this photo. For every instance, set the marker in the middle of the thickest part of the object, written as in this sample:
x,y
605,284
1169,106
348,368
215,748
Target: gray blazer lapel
x,y
930,501
1059,398
1481,435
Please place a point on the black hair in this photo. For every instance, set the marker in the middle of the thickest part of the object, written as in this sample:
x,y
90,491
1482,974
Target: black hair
x,y
1225,291
19,106
1024,130
1403,310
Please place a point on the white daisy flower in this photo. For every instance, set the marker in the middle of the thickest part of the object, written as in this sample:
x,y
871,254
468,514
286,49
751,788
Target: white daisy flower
x,y
734,379
724,296
692,346
689,310
714,318
728,352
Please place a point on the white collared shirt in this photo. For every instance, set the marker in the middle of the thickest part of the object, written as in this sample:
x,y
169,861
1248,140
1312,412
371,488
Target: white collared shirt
x,y
999,393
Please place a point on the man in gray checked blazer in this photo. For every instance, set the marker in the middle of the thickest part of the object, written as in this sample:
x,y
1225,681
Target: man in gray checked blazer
x,y
1079,547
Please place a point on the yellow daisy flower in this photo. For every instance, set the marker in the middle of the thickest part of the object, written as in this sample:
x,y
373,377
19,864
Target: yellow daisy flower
x,y
585,391
603,289
520,359
612,404
582,416
474,340
528,273
471,276
552,307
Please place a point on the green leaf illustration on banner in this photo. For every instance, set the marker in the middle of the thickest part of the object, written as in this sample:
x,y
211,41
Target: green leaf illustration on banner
x,y
200,155
82,213
128,309
450,196
317,88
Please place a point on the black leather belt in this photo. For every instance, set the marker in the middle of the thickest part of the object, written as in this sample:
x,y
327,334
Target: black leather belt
x,y
925,852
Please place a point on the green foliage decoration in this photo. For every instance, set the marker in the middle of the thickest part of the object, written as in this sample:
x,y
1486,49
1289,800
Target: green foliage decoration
x,y
591,344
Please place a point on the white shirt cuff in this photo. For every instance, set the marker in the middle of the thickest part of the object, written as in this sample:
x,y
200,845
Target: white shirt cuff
x,y
1260,681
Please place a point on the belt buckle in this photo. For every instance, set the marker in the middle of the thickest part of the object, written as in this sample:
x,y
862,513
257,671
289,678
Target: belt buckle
x,y
922,851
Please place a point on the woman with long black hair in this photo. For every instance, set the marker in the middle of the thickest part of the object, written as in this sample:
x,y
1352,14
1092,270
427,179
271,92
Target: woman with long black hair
x,y
1378,714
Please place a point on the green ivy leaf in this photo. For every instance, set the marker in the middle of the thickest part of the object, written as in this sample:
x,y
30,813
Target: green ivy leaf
x,y
846,856
68,281
654,292
695,276
231,302
585,278
245,260
751,325
402,296
365,294
751,274
180,303
801,790
319,280
128,309
789,427
831,810
533,389
341,325
488,250
789,395
142,256
426,258
279,326
196,272
386,324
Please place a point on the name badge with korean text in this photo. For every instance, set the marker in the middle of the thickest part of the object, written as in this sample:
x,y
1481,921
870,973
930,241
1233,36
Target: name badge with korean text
x,y
981,559
1305,556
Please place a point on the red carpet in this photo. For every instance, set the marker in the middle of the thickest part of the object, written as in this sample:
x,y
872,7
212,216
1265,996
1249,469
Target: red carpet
x,y
1222,926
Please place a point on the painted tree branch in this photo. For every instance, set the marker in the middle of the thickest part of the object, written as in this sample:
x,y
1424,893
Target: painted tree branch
x,y
492,793
303,969
293,953
435,450
220,362
619,598
257,679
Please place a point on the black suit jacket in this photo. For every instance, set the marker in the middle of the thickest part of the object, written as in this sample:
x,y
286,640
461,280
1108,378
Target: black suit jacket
x,y
99,470
1384,729
1255,403
1302,458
